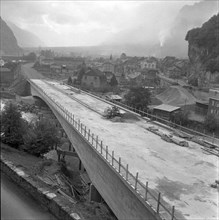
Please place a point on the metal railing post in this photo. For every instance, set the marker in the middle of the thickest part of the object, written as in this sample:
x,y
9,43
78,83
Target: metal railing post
x,y
92,139
106,152
119,164
158,203
173,211
127,172
81,128
101,147
146,192
112,157
88,135
96,142
136,181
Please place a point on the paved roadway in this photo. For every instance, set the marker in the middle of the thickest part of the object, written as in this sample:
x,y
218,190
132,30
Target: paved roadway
x,y
31,73
16,205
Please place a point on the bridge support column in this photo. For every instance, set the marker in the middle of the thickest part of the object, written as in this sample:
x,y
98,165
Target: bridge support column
x,y
79,164
94,195
70,145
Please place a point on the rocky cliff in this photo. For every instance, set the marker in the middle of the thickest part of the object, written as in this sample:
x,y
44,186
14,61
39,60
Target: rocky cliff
x,y
189,16
8,41
203,48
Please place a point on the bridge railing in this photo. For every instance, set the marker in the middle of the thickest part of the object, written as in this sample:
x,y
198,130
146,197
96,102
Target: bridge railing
x,y
142,191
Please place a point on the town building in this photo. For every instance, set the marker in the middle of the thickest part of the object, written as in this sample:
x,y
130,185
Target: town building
x,y
165,111
131,66
8,73
43,61
6,77
148,63
108,67
213,107
93,78
201,107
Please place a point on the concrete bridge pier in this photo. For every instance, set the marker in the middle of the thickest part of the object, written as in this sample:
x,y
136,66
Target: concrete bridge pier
x,y
94,195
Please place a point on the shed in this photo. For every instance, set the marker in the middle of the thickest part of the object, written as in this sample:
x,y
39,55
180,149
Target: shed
x,y
165,111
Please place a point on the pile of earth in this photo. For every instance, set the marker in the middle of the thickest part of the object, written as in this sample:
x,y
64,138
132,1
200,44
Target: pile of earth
x,y
176,96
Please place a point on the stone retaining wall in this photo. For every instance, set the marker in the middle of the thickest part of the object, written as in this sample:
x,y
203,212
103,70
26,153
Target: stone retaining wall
x,y
59,206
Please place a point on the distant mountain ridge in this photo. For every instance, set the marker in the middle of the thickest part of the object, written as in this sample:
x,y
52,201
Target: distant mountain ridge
x,y
25,38
9,45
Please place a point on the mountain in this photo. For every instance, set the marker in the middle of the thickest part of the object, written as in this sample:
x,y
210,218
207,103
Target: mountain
x,y
204,48
190,16
9,45
25,38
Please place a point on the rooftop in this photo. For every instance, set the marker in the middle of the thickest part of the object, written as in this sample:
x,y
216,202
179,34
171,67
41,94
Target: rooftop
x,y
167,108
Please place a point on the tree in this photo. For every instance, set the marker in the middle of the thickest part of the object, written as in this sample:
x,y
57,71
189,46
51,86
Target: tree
x,y
113,81
69,80
12,125
210,122
40,138
30,57
139,97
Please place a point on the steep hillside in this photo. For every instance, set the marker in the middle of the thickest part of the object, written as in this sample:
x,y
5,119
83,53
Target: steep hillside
x,y
8,41
204,45
25,38
204,53
190,16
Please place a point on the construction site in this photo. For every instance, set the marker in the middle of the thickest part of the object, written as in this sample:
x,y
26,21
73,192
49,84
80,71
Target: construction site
x,y
163,158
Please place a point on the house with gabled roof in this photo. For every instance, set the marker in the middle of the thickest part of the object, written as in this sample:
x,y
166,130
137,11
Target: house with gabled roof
x,y
93,78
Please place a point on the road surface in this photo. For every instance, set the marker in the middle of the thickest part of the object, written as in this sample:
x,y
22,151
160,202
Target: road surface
x,y
16,205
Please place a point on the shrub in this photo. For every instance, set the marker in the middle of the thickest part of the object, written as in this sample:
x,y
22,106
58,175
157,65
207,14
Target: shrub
x,y
139,97
40,138
12,125
210,123
181,118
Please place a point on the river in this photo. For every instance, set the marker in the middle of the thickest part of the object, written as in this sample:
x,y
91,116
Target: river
x,y
17,205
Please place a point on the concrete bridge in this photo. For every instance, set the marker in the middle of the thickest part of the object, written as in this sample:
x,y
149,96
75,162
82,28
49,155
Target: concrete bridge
x,y
122,187
106,171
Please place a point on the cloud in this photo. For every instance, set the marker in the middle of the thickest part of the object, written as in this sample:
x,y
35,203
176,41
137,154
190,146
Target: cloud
x,y
77,23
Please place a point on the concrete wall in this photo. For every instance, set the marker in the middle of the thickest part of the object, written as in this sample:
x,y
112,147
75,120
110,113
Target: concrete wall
x,y
118,194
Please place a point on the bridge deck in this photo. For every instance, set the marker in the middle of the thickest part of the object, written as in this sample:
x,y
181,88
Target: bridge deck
x,y
182,175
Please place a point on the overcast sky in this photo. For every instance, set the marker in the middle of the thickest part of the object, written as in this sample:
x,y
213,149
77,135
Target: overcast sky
x,y
85,23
